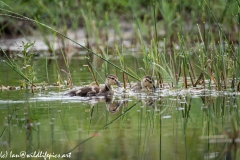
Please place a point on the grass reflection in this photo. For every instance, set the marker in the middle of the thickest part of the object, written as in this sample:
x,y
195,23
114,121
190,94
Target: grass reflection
x,y
142,127
104,127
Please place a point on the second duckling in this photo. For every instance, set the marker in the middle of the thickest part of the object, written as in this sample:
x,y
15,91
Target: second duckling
x,y
89,91
146,84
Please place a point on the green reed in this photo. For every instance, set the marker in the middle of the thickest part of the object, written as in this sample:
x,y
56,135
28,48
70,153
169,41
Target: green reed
x,y
122,64
14,14
217,64
24,69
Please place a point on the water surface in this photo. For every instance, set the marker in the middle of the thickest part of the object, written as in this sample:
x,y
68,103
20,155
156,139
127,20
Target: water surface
x,y
169,124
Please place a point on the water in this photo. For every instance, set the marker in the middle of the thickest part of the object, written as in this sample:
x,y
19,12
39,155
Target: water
x,y
170,124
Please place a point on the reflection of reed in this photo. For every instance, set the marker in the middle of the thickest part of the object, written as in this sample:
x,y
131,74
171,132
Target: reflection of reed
x,y
28,132
185,106
231,138
227,144
104,127
148,100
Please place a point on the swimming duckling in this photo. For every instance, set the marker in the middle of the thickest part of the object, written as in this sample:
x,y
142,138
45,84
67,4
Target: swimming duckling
x,y
95,90
146,84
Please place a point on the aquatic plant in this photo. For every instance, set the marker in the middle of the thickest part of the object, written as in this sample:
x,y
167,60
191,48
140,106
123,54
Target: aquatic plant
x,y
166,56
24,67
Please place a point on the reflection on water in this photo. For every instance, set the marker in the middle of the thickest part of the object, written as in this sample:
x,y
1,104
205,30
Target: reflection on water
x,y
131,127
169,124
112,106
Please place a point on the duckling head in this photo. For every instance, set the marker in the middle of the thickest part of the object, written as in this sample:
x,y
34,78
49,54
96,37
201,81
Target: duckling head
x,y
112,80
148,83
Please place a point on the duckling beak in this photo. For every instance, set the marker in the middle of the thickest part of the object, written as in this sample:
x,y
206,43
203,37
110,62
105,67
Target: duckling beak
x,y
118,84
154,88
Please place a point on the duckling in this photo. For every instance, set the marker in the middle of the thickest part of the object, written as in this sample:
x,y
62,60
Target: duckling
x,y
89,91
146,84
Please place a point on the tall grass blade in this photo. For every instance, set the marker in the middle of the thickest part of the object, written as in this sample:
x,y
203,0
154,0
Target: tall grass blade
x,y
13,66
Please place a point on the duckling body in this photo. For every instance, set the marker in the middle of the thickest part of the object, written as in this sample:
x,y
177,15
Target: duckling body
x,y
146,84
95,90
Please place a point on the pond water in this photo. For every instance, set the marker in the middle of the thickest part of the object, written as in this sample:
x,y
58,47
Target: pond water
x,y
169,124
